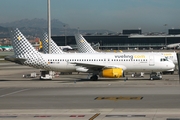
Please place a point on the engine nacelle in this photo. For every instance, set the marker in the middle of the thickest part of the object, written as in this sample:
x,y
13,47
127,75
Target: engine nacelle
x,y
112,72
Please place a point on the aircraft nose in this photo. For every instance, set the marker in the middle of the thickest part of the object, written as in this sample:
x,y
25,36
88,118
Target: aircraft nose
x,y
171,65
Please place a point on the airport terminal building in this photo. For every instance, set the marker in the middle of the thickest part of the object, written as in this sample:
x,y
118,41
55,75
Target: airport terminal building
x,y
129,39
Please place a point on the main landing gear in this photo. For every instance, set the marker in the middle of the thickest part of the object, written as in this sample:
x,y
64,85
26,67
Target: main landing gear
x,y
155,76
94,77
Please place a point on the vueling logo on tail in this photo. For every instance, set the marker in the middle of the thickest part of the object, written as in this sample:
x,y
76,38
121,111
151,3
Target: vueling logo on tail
x,y
81,41
19,38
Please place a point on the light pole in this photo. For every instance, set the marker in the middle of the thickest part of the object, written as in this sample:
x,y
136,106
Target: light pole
x,y
165,25
65,42
44,72
49,27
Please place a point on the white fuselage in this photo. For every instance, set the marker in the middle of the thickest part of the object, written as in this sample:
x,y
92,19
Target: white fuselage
x,y
88,62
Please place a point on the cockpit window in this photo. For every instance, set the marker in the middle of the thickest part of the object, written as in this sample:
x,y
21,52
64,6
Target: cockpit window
x,y
164,59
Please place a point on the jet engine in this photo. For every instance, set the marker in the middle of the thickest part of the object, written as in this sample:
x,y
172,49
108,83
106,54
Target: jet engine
x,y
112,73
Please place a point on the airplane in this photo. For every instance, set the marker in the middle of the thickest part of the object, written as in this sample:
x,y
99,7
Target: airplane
x,y
111,65
6,48
173,46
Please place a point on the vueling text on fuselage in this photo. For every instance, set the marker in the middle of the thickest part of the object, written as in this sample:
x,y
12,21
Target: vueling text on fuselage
x,y
130,56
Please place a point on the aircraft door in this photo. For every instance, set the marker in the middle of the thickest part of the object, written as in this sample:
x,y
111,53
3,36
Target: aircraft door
x,y
151,60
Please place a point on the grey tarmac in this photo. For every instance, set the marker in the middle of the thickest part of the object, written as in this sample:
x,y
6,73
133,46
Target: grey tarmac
x,y
74,97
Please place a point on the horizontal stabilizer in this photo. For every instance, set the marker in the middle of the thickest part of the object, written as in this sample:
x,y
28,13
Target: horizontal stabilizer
x,y
14,59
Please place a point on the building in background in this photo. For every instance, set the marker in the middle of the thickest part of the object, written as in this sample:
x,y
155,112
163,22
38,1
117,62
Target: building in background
x,y
129,39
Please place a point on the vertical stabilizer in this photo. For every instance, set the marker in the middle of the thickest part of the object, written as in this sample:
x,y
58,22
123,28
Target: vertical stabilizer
x,y
54,47
24,50
20,44
82,45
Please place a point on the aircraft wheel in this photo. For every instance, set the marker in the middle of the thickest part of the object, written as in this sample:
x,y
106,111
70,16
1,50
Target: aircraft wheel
x,y
94,78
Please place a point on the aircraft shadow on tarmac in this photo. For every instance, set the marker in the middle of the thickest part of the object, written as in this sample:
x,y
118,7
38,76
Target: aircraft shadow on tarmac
x,y
102,80
77,79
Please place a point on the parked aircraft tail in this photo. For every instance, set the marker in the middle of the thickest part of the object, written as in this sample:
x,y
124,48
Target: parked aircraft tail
x,y
54,47
82,45
24,52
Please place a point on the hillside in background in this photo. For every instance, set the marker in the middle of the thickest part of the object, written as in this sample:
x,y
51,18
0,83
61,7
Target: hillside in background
x,y
36,23
36,27
4,32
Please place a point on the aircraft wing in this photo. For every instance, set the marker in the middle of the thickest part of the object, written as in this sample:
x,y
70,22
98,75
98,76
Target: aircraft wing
x,y
93,66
